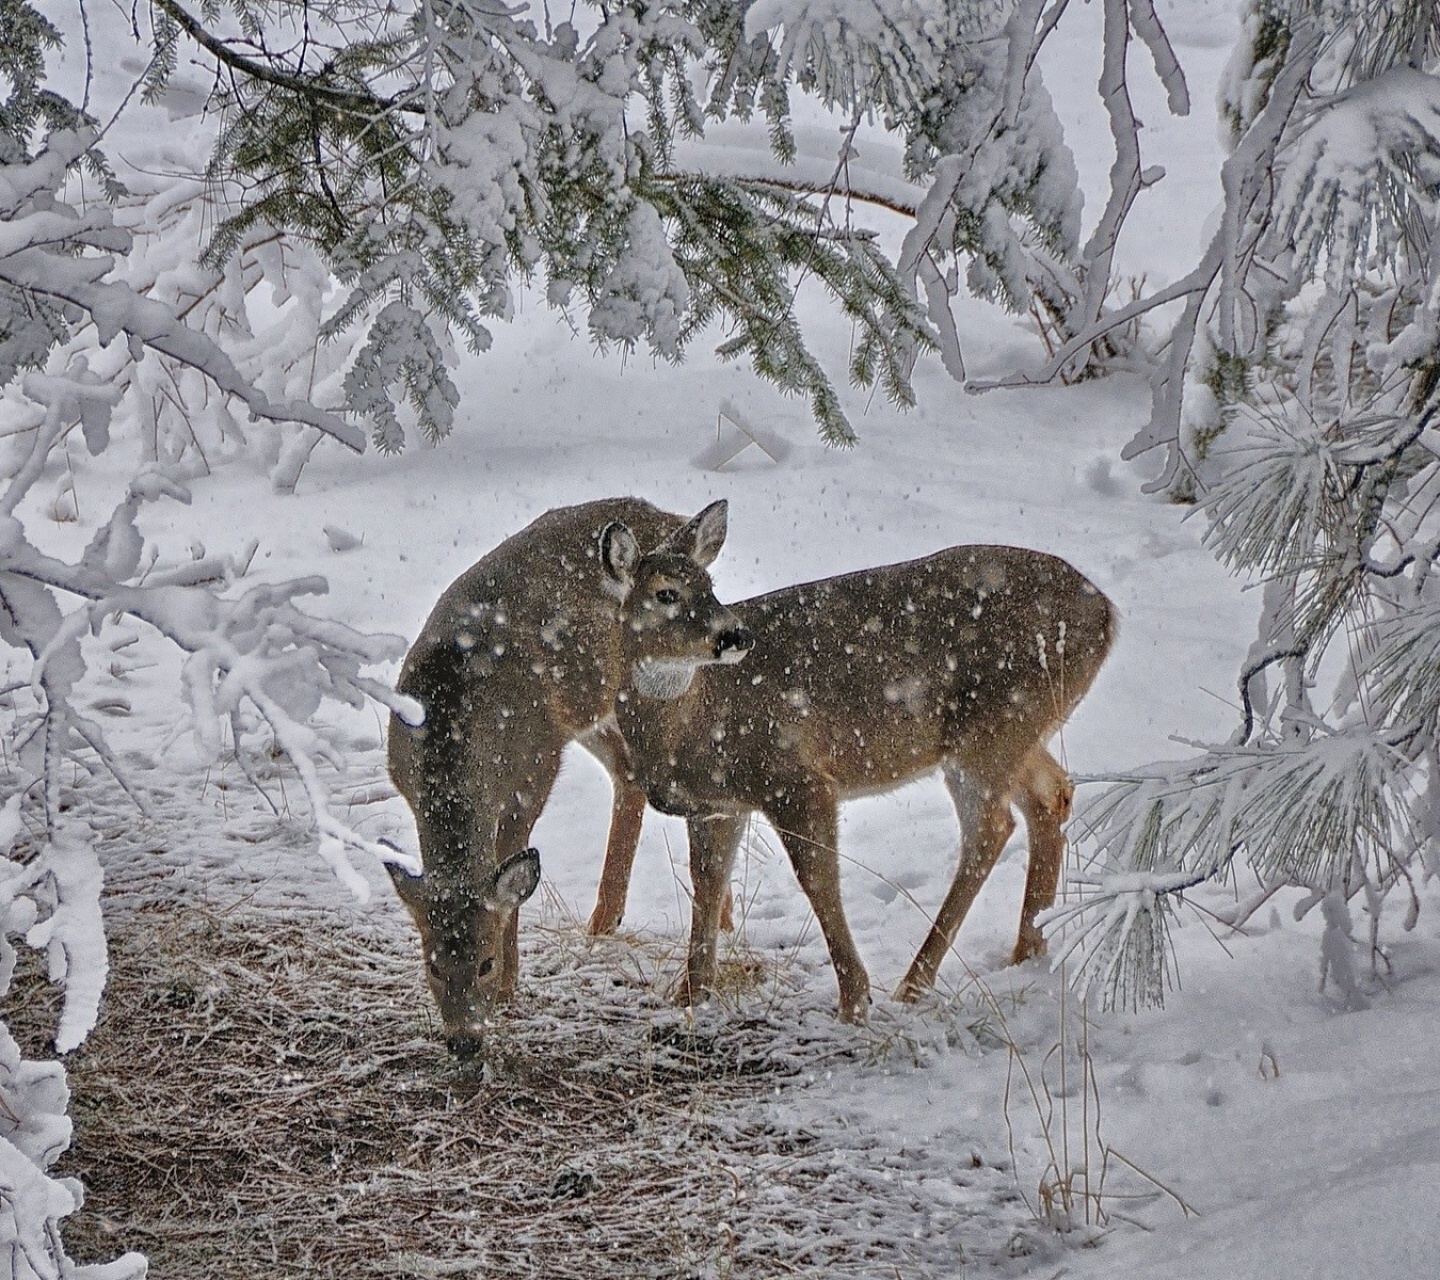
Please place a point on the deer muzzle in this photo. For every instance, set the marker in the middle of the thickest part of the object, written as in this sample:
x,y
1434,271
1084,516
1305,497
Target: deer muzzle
x,y
465,1047
733,643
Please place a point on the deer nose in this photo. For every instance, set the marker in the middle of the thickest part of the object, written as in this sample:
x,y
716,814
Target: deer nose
x,y
736,640
463,1046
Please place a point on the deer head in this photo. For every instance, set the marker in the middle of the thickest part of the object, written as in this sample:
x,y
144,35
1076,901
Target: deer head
x,y
668,607
463,928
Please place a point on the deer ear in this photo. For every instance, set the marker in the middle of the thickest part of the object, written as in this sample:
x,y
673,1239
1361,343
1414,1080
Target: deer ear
x,y
409,886
702,538
619,553
514,880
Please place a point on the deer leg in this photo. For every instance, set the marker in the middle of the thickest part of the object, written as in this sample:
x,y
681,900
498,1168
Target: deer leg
x,y
512,834
985,826
627,813
713,841
807,822
1044,796
626,817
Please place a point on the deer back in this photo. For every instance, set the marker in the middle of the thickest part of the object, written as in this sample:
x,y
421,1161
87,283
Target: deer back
x,y
974,654
519,655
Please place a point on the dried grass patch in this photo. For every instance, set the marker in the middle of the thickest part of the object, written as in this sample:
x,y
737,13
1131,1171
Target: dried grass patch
x,y
266,1095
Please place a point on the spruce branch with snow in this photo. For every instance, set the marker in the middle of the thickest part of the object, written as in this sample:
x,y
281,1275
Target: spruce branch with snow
x,y
1307,435
111,341
436,154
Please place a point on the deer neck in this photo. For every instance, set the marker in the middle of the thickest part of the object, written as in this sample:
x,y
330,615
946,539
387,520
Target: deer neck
x,y
666,738
661,679
655,707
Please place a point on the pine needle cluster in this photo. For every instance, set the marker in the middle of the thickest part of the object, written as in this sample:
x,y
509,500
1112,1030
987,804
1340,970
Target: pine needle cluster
x,y
440,153
1320,482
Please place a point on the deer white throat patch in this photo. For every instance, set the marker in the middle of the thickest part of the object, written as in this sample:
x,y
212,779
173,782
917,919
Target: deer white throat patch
x,y
663,678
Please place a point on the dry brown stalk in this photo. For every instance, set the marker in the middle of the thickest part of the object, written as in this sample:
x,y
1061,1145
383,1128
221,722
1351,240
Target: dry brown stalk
x,y
266,1095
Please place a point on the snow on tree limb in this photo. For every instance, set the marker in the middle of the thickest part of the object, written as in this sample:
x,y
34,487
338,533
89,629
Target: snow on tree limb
x,y
73,934
27,264
256,648
34,1132
844,50
1125,172
1382,131
1297,408
1147,25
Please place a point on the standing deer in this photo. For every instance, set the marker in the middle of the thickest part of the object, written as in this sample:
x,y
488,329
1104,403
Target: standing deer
x,y
520,656
967,660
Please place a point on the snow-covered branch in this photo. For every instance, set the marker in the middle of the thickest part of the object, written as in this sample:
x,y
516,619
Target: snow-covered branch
x,y
1128,176
72,281
30,265
34,1132
1297,408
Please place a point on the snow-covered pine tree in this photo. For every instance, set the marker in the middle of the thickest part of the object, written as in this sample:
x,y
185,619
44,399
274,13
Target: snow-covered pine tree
x,y
1297,405
439,152
92,347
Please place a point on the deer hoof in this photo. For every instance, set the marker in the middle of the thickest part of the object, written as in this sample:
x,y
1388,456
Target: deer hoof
x,y
603,922
912,988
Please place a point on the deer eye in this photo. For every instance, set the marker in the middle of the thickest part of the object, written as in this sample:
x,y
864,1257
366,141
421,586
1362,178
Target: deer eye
x,y
668,595
486,965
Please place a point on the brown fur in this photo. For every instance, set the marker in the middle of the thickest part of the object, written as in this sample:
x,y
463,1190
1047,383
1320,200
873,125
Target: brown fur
x,y
858,684
520,656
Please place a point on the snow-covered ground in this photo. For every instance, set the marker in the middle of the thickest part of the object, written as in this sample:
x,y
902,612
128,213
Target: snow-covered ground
x,y
1302,1135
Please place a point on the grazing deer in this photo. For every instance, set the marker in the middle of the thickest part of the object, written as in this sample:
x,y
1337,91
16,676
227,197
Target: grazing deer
x,y
967,660
520,656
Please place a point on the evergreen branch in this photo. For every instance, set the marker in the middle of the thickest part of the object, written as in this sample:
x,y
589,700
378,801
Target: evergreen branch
x,y
817,189
310,87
